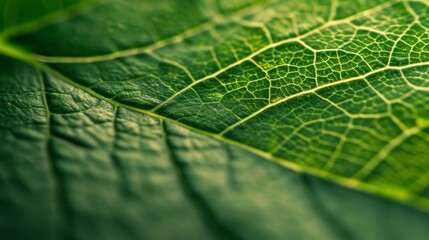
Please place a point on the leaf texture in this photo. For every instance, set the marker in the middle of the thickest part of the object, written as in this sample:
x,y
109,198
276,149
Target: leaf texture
x,y
170,108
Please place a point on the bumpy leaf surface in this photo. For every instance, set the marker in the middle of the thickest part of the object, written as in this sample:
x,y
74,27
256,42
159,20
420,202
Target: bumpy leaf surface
x,y
154,119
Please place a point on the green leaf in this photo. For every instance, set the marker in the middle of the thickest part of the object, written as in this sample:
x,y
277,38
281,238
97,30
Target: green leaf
x,y
154,119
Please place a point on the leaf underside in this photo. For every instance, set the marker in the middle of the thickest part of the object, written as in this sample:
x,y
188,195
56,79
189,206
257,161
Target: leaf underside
x,y
164,111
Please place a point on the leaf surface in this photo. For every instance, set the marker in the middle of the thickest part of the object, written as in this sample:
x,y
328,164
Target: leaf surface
x,y
172,107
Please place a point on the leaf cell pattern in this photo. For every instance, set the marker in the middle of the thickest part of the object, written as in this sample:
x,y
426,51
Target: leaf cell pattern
x,y
338,89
